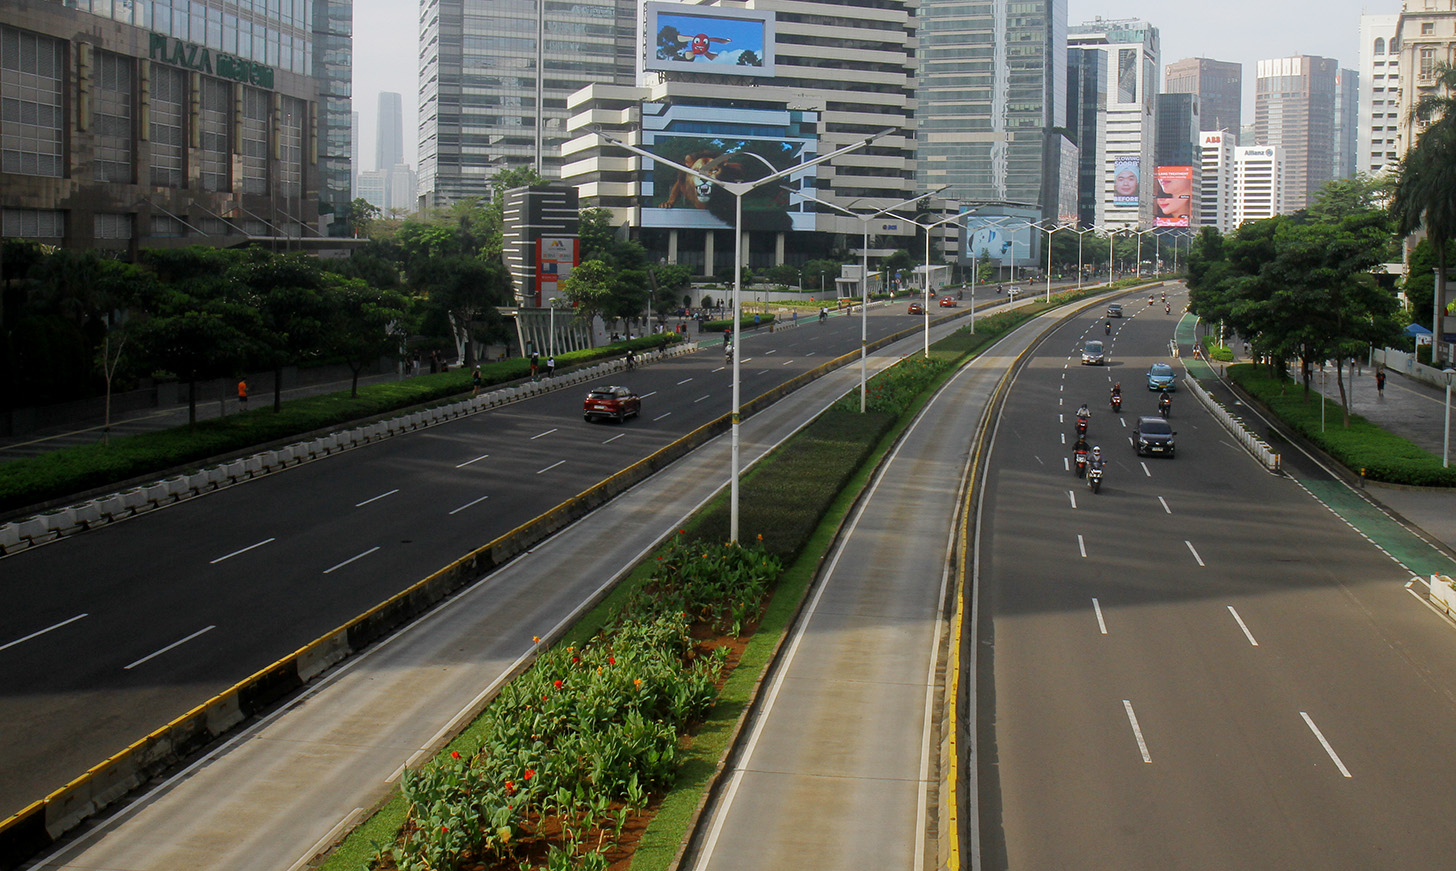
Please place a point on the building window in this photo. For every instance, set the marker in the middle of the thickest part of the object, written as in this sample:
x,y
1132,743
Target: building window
x,y
32,223
255,141
1428,28
1379,45
212,120
167,227
169,145
1428,62
32,117
290,147
111,119
111,226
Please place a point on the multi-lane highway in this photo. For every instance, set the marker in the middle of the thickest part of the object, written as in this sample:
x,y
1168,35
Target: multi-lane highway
x,y
1199,666
109,635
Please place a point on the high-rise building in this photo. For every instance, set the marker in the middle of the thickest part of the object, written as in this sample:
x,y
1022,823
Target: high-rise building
x,y
1216,181
389,131
132,125
810,77
991,91
353,155
1133,60
1219,86
1178,162
1347,114
1259,183
1379,119
1294,111
1426,36
1086,119
495,78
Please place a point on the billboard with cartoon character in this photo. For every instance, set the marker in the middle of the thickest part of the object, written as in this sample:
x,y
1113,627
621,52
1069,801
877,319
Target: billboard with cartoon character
x,y
729,145
683,37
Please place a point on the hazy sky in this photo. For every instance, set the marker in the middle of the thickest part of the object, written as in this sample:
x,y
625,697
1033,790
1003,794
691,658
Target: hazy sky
x,y
386,37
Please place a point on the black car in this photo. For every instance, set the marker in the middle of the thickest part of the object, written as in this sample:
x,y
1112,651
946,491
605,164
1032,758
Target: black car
x,y
1114,310
1154,435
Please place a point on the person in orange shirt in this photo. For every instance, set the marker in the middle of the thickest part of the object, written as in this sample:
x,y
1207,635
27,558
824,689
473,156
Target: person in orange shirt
x,y
242,395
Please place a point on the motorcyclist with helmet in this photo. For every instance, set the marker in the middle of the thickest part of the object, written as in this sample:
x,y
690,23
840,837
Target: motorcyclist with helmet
x,y
1079,456
1084,417
1116,398
1107,328
1165,405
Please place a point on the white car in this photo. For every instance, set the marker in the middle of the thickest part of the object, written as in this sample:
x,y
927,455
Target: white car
x,y
1013,292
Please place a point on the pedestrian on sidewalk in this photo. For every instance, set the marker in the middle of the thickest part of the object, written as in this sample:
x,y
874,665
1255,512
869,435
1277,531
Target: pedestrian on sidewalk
x,y
551,366
242,395
1380,382
475,381
535,365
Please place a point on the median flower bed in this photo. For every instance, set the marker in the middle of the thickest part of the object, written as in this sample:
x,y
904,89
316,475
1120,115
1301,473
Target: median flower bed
x,y
571,754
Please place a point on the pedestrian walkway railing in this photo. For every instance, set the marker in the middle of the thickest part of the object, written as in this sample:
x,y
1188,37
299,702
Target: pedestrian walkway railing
x,y
52,525
1235,425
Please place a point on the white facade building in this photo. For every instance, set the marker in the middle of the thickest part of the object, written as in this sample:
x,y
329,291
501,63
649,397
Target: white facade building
x,y
1259,183
1379,120
1127,140
1216,191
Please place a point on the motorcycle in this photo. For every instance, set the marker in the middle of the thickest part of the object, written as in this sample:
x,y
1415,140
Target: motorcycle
x,y
1094,479
1081,426
1079,461
1116,402
728,354
1107,328
1165,408
1167,308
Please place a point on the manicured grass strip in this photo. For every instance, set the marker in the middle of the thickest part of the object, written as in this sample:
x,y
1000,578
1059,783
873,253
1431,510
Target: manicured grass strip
x,y
36,480
1382,455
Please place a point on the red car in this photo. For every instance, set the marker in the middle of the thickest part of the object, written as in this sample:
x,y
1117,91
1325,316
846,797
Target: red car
x,y
947,302
916,309
617,403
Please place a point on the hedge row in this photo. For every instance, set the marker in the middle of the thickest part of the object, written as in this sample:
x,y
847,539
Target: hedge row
x,y
32,481
1382,455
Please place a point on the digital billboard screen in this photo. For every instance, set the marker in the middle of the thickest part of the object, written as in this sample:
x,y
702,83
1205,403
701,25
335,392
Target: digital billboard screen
x,y
729,145
1001,238
714,40
1126,172
1173,196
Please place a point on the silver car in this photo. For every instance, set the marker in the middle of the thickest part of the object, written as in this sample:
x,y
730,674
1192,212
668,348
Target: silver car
x,y
1092,354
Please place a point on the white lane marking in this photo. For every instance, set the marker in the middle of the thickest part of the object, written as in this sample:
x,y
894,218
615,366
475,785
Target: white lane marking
x,y
786,362
1061,418
549,431
644,396
1247,634
684,381
1194,552
720,368
168,647
1061,387
376,498
810,354
1101,625
41,632
766,353
1081,545
550,467
661,416
762,371
1165,505
468,505
1136,730
1072,496
701,398
352,558
1325,744
613,438
476,460
244,550
1064,438
1066,464
1145,469
1123,421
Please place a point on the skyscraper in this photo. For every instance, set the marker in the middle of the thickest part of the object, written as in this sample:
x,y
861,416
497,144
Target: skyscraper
x,y
1294,111
489,70
1133,59
1378,127
1426,35
1219,86
389,132
1347,118
991,89
1216,190
1086,117
1178,160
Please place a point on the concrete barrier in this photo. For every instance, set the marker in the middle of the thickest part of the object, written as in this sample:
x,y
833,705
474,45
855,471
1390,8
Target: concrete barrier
x,y
216,476
135,500
9,537
34,530
88,515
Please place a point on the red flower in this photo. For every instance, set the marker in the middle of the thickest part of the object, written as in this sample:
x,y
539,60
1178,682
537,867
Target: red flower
x,y
530,773
556,683
454,754
575,660
444,829
510,787
611,660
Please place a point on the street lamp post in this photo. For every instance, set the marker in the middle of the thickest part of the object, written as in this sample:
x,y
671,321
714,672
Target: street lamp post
x,y
1446,435
738,190
551,342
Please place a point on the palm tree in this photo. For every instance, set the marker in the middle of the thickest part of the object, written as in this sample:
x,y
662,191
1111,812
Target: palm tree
x,y
1425,187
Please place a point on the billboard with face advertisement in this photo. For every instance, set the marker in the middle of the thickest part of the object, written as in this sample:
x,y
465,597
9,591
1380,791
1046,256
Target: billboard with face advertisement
x,y
699,39
1005,237
1126,172
1172,196
729,145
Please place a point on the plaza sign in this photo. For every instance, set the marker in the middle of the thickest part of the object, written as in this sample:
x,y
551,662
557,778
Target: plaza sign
x,y
201,59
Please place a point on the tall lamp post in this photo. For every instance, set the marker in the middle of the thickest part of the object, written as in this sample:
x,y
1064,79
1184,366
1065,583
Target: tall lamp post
x,y
738,189
551,340
1446,435
927,228
865,277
